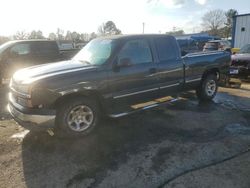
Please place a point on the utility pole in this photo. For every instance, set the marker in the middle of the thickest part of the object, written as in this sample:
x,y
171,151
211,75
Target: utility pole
x,y
143,27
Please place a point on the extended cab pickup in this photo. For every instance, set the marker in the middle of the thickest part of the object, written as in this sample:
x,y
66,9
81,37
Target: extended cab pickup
x,y
114,76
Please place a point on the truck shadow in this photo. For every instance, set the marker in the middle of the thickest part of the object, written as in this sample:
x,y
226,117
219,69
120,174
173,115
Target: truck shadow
x,y
53,162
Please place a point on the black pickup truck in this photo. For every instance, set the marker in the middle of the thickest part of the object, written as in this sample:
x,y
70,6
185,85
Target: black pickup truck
x,y
112,76
19,54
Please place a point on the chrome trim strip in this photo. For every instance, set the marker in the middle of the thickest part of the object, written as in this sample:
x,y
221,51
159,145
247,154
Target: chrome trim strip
x,y
151,106
135,93
118,115
172,85
174,100
170,71
194,80
37,119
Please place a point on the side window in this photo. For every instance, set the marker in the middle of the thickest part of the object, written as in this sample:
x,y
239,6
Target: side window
x,y
45,48
137,51
166,49
20,49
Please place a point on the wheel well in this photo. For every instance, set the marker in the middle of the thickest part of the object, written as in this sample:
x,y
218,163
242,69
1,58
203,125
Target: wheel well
x,y
92,95
214,71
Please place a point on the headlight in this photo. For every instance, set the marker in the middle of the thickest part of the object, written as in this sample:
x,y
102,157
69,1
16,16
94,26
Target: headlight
x,y
25,89
21,90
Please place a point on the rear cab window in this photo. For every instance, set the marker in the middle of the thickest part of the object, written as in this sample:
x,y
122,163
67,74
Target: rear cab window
x,y
136,51
212,45
166,49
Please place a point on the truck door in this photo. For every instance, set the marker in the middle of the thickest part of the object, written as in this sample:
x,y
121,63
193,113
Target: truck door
x,y
134,78
170,66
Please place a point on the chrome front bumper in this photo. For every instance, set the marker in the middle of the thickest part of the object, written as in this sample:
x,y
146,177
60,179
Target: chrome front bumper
x,y
30,118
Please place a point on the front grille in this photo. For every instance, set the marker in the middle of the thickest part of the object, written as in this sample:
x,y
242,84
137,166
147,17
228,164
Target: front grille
x,y
14,98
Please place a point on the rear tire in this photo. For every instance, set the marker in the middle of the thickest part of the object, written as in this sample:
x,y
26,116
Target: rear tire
x,y
208,88
76,117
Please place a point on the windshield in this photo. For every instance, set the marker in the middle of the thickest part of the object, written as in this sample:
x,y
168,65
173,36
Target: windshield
x,y
245,49
96,52
5,46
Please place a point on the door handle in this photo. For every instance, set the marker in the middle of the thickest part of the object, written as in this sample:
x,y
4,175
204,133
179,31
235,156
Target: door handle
x,y
152,70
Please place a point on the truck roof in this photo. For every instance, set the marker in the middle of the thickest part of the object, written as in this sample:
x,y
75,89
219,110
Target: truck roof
x,y
33,40
131,36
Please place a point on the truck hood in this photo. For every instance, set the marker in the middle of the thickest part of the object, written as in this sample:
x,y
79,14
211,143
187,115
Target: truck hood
x,y
241,57
34,73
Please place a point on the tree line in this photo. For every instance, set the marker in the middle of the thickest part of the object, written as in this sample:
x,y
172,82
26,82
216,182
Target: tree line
x,y
105,29
219,23
215,22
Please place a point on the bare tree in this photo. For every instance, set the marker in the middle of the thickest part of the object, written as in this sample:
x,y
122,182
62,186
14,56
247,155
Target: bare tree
x,y
101,29
213,20
92,36
76,36
109,28
85,37
229,23
68,35
52,36
59,34
36,35
20,35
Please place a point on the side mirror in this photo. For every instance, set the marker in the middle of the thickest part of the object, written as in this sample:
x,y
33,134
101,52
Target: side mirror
x,y
125,62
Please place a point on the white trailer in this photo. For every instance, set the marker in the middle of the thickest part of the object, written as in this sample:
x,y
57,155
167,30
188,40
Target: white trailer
x,y
241,30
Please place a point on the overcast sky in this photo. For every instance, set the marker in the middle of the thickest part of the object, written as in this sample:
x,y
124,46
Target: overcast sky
x,y
86,15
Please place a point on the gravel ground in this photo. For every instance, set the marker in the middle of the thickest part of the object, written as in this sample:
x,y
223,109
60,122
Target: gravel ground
x,y
183,144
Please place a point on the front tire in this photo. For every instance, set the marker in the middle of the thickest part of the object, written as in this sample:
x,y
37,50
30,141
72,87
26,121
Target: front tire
x,y
75,117
208,88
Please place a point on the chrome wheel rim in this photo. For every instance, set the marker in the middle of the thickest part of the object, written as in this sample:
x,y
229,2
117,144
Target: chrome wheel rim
x,y
210,87
80,118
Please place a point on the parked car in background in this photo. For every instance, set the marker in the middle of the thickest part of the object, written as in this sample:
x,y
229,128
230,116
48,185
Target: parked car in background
x,y
112,76
215,45
15,55
240,66
188,46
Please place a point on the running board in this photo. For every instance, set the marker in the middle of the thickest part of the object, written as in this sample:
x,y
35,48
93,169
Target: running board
x,y
148,105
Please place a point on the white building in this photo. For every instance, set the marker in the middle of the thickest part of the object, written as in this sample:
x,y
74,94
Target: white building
x,y
241,30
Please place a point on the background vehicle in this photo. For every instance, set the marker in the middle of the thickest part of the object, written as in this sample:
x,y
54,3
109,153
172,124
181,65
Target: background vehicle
x,y
115,76
19,54
217,45
188,46
240,67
